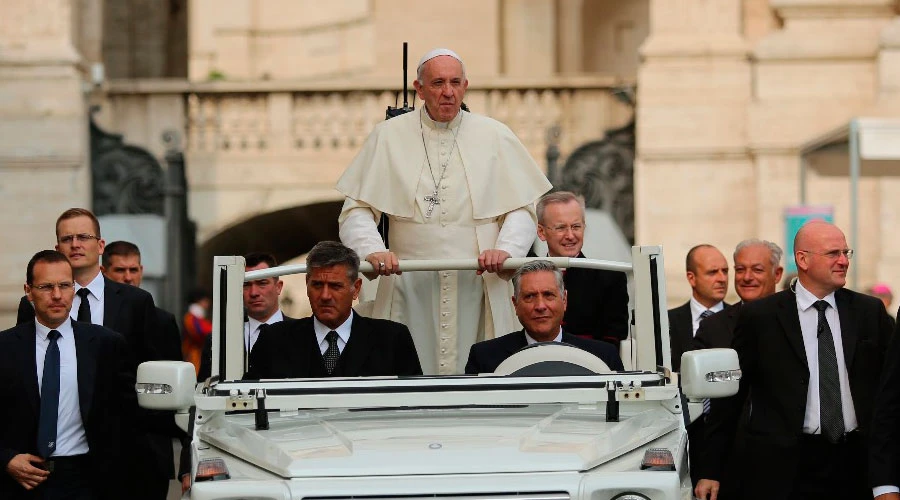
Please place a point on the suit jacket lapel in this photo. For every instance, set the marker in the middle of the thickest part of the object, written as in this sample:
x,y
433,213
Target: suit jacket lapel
x,y
29,365
356,350
86,368
848,325
112,302
790,322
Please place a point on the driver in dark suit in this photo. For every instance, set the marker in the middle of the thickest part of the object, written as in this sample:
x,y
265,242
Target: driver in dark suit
x,y
334,341
540,303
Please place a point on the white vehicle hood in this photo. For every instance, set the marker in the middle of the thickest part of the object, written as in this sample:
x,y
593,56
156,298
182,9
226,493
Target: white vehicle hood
x,y
535,438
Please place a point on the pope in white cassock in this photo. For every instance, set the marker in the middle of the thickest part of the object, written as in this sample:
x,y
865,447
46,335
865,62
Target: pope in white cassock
x,y
454,185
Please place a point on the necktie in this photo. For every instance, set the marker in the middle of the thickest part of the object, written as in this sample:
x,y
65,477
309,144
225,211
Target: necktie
x,y
84,310
706,403
49,398
831,415
332,353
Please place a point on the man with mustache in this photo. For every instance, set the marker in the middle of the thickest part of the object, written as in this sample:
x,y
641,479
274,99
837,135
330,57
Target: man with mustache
x,y
452,184
334,341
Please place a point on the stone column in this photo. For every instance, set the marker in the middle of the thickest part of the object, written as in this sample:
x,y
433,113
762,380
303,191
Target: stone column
x,y
888,104
43,134
693,176
809,81
528,38
571,36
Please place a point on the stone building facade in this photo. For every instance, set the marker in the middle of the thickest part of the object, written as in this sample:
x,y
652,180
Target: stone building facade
x,y
273,97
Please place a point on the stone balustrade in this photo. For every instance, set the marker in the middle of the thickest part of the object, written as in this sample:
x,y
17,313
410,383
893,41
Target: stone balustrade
x,y
302,135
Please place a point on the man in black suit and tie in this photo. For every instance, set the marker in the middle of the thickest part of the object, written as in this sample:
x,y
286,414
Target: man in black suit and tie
x,y
707,273
129,311
68,387
334,341
597,299
757,272
811,359
540,302
261,305
121,262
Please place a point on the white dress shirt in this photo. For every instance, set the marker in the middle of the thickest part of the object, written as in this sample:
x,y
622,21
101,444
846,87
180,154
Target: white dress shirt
x,y
70,436
95,299
530,339
809,323
251,328
697,309
343,332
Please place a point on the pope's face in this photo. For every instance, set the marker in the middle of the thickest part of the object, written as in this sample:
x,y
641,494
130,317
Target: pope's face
x,y
442,87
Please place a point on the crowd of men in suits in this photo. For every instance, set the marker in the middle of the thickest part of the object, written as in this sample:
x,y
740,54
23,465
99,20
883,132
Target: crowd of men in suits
x,y
817,412
816,415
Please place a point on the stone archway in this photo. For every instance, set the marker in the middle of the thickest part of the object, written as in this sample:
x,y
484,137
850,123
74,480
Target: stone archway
x,y
285,233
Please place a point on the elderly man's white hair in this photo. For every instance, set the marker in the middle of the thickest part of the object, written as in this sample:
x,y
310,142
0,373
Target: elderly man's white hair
x,y
431,54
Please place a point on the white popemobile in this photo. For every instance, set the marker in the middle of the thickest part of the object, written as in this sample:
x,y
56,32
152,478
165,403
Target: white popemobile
x,y
552,423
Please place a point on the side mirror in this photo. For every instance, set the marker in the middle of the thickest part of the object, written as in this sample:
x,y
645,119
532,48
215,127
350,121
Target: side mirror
x,y
710,373
166,385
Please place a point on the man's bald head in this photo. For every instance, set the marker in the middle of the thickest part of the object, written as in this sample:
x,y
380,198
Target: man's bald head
x,y
822,257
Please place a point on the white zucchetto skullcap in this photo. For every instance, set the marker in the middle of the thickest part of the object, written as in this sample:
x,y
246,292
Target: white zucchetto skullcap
x,y
435,53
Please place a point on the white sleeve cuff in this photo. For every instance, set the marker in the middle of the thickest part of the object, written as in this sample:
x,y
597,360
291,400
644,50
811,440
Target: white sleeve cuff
x,y
881,490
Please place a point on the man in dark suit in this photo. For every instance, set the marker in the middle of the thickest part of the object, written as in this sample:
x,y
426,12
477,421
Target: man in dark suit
x,y
260,304
334,341
60,426
129,311
121,262
540,303
597,299
811,359
707,273
757,271
884,444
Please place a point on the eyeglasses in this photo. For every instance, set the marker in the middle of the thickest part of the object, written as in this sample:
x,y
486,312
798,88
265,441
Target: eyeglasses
x,y
81,237
834,254
63,286
562,228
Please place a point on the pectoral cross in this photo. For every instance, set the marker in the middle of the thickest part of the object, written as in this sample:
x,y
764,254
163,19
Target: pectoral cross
x,y
432,200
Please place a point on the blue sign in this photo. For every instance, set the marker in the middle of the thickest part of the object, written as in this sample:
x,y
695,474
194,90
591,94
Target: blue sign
x,y
794,218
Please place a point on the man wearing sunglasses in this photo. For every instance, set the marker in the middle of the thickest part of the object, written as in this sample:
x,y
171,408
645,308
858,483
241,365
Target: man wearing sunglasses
x,y
811,358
